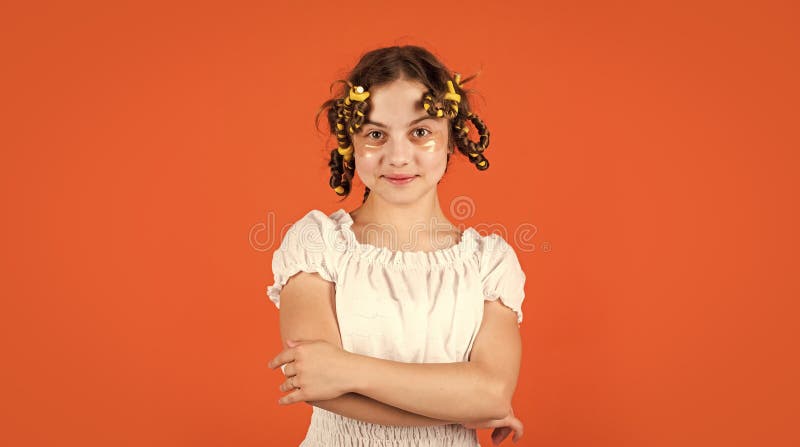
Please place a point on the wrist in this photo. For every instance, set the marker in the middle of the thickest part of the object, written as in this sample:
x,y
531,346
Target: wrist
x,y
353,372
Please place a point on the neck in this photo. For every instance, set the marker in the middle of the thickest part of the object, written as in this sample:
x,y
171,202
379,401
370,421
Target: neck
x,y
421,217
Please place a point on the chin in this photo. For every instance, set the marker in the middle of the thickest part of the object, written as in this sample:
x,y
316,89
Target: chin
x,y
401,196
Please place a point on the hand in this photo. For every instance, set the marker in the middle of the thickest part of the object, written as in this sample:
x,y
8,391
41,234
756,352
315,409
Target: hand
x,y
315,370
502,427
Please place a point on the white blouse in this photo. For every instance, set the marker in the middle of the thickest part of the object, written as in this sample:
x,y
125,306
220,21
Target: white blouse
x,y
406,306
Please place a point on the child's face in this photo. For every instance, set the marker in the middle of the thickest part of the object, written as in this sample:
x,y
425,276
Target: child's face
x,y
400,138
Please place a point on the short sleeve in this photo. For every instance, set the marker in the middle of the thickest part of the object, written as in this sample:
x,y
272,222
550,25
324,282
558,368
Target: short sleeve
x,y
501,274
308,247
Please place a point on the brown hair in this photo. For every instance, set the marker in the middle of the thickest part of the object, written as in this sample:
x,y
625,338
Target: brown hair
x,y
383,66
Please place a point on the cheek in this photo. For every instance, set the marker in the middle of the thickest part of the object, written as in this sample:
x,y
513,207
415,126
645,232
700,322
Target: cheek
x,y
438,142
433,152
433,162
431,145
366,165
366,150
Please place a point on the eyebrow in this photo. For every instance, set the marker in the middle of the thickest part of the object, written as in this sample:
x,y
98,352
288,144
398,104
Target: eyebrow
x,y
422,118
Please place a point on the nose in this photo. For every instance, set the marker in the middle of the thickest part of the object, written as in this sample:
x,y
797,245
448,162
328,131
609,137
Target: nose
x,y
399,153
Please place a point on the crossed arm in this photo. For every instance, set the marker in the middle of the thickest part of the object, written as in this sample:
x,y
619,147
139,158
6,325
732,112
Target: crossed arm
x,y
421,394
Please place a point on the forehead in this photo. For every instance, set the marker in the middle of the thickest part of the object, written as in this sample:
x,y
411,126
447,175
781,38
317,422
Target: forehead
x,y
398,97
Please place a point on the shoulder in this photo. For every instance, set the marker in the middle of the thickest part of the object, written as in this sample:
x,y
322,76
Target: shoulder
x,y
494,246
309,245
314,236
314,231
315,219
501,272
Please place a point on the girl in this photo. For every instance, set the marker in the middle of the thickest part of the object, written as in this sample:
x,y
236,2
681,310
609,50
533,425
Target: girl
x,y
399,329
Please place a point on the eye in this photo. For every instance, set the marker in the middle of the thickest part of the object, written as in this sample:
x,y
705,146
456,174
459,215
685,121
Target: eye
x,y
424,134
373,132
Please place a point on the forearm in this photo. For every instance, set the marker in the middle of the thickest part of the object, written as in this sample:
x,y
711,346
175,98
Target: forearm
x,y
460,391
366,409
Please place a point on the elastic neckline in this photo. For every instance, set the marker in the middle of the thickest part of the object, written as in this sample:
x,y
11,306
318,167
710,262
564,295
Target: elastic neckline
x,y
385,255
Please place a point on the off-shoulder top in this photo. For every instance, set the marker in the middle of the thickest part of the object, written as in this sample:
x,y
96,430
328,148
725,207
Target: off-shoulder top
x,y
407,306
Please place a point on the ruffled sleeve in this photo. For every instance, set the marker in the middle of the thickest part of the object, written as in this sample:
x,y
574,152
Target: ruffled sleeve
x,y
308,246
501,274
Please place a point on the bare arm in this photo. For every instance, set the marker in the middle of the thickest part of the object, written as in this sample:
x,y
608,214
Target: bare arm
x,y
468,391
307,313
463,392
363,408
498,347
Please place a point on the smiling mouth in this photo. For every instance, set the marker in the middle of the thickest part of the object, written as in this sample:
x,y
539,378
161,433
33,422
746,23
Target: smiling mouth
x,y
400,180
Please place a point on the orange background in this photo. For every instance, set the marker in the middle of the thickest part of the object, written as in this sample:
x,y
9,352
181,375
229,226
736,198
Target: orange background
x,y
652,146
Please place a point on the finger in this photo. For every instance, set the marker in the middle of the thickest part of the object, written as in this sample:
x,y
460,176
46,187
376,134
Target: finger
x,y
296,396
284,357
287,385
519,429
289,369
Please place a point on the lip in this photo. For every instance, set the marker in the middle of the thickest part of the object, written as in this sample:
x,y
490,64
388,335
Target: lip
x,y
399,180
